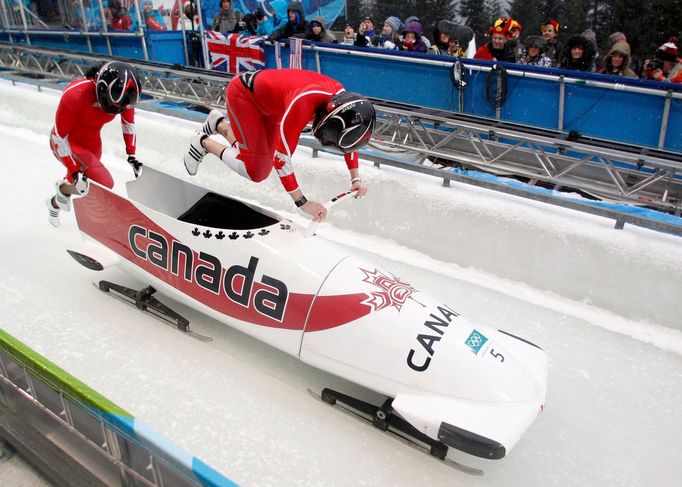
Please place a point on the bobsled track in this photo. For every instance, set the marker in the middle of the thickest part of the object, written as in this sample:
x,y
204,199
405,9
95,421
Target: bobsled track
x,y
604,303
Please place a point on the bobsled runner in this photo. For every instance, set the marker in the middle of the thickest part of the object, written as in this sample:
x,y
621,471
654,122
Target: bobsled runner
x,y
448,382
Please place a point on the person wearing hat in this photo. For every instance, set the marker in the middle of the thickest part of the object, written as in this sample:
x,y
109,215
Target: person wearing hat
x,y
296,23
497,49
514,39
275,17
550,33
316,32
617,61
412,38
228,19
535,52
352,38
390,34
665,65
366,28
116,15
577,54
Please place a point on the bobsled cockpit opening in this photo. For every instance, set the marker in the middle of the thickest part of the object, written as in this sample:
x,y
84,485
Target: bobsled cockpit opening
x,y
214,210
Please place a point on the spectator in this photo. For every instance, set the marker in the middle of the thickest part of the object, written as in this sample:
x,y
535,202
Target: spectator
x,y
117,16
91,16
592,37
497,49
550,32
513,39
425,40
296,23
665,65
151,17
389,37
248,26
535,52
316,31
274,19
635,62
189,18
352,38
227,19
412,38
617,61
366,28
577,54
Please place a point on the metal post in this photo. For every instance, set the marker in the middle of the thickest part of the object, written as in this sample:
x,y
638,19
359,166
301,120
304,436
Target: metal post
x,y
84,25
202,36
105,27
23,21
5,17
140,31
664,119
318,65
562,97
184,35
498,106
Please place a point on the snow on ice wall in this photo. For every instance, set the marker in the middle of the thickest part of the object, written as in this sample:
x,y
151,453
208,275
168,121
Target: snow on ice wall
x,y
634,273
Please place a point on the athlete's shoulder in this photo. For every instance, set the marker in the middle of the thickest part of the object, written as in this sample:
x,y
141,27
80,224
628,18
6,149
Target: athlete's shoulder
x,y
80,87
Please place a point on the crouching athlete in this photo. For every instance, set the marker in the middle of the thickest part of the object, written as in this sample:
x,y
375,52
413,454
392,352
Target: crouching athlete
x,y
85,106
267,111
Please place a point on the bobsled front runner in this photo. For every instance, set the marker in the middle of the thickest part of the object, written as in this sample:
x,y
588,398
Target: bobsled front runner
x,y
466,386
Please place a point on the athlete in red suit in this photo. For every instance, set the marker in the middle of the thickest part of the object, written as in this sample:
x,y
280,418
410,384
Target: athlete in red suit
x,y
85,106
267,112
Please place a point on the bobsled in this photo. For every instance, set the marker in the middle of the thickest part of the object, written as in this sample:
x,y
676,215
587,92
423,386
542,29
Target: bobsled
x,y
448,382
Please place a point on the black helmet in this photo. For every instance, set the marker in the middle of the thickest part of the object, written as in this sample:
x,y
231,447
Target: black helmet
x,y
346,122
118,87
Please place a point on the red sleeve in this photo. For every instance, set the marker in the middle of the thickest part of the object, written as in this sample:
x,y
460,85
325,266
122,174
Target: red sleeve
x,y
129,133
65,122
351,160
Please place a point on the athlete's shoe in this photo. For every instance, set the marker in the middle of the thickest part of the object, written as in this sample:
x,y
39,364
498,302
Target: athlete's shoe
x,y
211,124
53,213
63,201
196,152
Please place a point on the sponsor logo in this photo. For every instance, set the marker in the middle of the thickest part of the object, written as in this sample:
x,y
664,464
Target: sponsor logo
x,y
237,283
435,327
475,341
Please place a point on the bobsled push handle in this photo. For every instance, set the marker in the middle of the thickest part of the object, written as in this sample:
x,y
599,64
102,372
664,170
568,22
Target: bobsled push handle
x,y
312,226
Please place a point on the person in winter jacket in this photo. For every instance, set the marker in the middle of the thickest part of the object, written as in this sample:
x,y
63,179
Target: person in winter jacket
x,y
117,16
451,39
273,19
352,38
151,17
617,61
316,31
227,20
412,38
550,33
535,52
497,49
390,34
577,54
296,23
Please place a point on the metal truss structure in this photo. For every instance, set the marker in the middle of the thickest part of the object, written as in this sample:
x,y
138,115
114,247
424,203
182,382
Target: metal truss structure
x,y
603,169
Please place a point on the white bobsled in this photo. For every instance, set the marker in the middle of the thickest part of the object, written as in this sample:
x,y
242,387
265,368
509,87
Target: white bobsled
x,y
460,384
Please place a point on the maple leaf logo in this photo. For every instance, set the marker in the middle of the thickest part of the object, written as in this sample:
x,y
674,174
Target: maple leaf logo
x,y
394,292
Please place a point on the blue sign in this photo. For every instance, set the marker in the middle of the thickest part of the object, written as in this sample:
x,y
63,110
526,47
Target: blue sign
x,y
475,341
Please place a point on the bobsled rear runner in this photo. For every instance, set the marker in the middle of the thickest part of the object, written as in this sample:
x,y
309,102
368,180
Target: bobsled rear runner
x,y
449,381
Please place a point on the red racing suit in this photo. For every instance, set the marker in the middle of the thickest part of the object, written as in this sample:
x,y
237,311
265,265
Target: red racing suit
x,y
268,110
75,139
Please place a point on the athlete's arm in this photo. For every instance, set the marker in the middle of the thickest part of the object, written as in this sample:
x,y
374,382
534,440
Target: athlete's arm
x,y
128,128
66,120
356,183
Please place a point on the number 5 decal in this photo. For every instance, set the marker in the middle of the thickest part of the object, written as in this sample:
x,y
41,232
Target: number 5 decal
x,y
497,355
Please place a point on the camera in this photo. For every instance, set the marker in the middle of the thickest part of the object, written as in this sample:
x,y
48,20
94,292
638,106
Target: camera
x,y
655,64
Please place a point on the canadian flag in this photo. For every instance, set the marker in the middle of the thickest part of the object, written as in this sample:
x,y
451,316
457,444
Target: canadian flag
x,y
234,53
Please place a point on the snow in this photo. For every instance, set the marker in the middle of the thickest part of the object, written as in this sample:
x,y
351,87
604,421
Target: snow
x,y
603,303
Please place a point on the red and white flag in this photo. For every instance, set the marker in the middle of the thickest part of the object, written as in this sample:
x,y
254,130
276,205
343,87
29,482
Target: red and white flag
x,y
295,52
234,53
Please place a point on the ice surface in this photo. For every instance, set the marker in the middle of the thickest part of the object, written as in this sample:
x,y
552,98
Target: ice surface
x,y
603,303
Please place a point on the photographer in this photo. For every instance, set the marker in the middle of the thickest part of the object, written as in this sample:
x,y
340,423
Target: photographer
x,y
664,66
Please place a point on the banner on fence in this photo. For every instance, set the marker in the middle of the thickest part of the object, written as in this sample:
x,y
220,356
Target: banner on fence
x,y
234,53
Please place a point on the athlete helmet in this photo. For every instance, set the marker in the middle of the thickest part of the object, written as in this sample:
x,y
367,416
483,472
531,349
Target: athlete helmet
x,y
118,87
346,122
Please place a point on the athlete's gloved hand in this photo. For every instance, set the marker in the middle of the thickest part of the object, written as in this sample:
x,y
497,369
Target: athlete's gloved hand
x,y
136,165
81,183
315,209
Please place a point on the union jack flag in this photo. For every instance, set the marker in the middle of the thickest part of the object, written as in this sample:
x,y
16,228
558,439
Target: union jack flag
x,y
234,53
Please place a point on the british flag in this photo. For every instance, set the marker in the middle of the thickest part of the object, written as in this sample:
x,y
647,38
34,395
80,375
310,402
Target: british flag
x,y
234,53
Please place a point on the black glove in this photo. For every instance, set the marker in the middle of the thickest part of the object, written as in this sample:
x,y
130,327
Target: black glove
x,y
80,182
136,165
